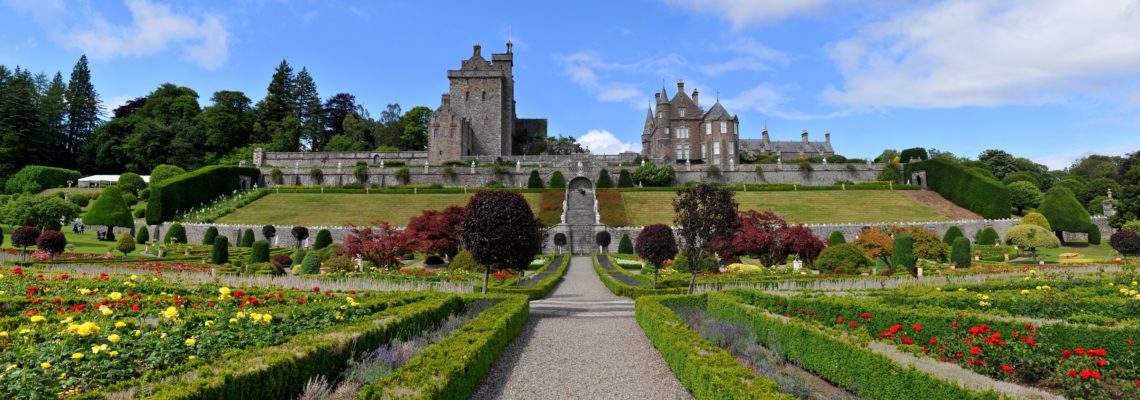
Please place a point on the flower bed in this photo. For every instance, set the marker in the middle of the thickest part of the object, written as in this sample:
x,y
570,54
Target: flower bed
x,y
622,284
542,282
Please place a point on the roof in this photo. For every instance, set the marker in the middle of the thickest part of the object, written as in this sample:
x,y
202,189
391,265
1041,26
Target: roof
x,y
787,146
108,178
718,113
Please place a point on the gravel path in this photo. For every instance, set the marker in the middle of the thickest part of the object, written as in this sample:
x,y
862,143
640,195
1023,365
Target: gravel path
x,y
581,342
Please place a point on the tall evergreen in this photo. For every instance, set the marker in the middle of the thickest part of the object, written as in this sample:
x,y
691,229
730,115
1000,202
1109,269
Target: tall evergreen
x,y
280,101
309,111
82,107
53,118
21,132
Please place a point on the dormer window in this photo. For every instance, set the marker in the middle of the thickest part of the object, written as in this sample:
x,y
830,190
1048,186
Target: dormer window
x,y
682,112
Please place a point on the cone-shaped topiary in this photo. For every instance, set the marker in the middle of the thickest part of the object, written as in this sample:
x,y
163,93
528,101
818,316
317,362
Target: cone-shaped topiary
x,y
1035,218
987,236
1065,214
535,180
298,256
604,180
324,239
960,252
260,252
625,246
625,179
176,234
247,238
210,235
835,238
311,264
144,235
902,255
110,210
221,253
557,181
952,234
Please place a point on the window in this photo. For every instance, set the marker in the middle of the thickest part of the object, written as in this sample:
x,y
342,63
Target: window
x,y
453,132
723,127
716,149
682,151
682,133
435,132
484,95
466,96
704,151
708,128
682,112
731,148
666,131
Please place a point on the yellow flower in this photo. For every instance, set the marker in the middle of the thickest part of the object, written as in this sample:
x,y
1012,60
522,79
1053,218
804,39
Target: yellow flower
x,y
1032,271
63,375
1111,284
240,315
191,342
267,318
134,277
233,320
225,291
84,291
192,357
938,289
85,329
97,349
4,334
120,324
1025,291
116,296
105,310
113,353
77,356
114,338
170,313
209,322
137,333
38,318
45,365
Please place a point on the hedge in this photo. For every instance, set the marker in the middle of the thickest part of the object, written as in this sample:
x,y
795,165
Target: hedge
x,y
193,189
706,371
622,289
541,288
845,361
967,188
454,367
36,178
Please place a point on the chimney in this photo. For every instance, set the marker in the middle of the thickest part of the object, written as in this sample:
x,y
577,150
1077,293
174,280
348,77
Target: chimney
x,y
696,97
765,137
477,48
827,136
681,86
445,99
804,136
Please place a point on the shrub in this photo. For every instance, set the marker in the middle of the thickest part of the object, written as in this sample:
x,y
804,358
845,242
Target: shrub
x,y
403,175
652,175
131,182
557,181
163,172
184,192
1133,225
1065,214
603,240
298,256
247,238
176,234
80,200
140,213
903,253
625,246
1126,242
913,153
843,258
144,194
130,199
836,238
965,187
52,242
1036,218
324,239
281,261
125,243
36,178
875,244
960,252
143,236
311,264
109,210
604,180
656,244
300,233
317,175
339,264
210,235
1031,237
890,173
624,179
535,180
259,252
952,233
1022,176
360,172
1023,196
987,236
277,176
221,251
464,261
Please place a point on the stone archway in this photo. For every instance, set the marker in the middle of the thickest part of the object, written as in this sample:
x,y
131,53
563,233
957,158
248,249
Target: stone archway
x,y
581,214
918,178
580,182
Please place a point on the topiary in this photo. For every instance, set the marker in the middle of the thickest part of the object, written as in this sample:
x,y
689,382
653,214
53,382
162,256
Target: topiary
x,y
842,258
110,211
604,181
1036,218
953,233
624,179
960,252
311,264
144,236
625,245
221,253
602,239
210,235
1022,176
1066,214
324,239
560,240
987,236
163,172
1126,242
913,153
298,256
259,252
836,238
902,254
557,181
464,261
300,233
176,234
125,243
131,182
281,261
247,238
1031,237
535,180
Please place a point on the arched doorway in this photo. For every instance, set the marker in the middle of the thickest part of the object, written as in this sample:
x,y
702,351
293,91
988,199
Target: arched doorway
x,y
580,182
581,214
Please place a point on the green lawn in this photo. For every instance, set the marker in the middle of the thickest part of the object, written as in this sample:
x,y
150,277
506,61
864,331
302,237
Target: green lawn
x,y
812,207
84,242
314,209
1089,253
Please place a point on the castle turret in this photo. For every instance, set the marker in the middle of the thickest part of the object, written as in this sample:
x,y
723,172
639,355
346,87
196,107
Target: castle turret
x,y
764,137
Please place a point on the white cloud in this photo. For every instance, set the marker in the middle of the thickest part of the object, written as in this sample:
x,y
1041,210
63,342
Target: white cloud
x,y
1065,159
754,56
203,39
599,77
604,142
42,10
749,12
770,100
986,53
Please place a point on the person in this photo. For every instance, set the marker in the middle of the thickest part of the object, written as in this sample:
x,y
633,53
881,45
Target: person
x,y
582,191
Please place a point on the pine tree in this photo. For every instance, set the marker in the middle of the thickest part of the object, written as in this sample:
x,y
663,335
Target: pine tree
x,y
21,138
309,111
82,107
280,101
53,118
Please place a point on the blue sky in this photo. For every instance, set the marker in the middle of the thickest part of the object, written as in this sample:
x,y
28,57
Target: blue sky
x,y
1048,79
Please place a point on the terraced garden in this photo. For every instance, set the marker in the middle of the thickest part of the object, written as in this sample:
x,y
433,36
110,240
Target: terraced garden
x,y
338,209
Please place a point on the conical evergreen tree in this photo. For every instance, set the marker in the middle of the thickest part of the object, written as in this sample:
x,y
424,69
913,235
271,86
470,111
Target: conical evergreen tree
x,y
309,111
21,139
53,118
280,101
82,107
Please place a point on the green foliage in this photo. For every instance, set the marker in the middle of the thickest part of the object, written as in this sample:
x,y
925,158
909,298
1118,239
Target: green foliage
x,y
624,179
535,180
193,189
1036,218
1023,195
164,172
913,153
298,256
540,289
403,175
1031,237
131,182
953,233
221,251
125,243
130,200
964,187
360,172
557,181
625,245
44,212
1066,214
604,180
960,252
987,236
324,239
652,175
311,265
247,238
110,210
1133,225
1022,176
843,258
464,261
902,255
890,173
36,178
210,235
176,234
143,236
836,238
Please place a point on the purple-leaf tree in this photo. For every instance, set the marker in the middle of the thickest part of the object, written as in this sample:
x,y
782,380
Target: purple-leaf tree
x,y
501,231
603,240
52,242
560,240
300,233
25,237
1126,242
656,244
703,213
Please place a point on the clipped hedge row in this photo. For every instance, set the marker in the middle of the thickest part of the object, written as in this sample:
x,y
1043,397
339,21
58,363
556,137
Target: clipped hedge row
x,y
707,371
35,178
622,289
541,288
783,187
445,190
192,189
845,362
965,187
454,367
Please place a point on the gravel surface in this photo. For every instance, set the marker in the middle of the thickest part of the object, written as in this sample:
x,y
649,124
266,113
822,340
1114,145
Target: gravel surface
x,y
581,342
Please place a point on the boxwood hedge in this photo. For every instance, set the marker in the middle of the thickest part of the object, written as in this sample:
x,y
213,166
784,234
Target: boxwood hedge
x,y
965,187
192,189
35,178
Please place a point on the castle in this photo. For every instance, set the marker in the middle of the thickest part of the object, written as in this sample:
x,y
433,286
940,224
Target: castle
x,y
789,150
476,117
681,130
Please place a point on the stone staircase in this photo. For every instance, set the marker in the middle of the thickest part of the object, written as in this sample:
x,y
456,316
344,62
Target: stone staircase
x,y
581,216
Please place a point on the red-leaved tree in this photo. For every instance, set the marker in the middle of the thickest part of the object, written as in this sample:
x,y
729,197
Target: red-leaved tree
x,y
1126,242
501,231
25,237
703,213
801,241
52,242
381,245
436,232
758,235
656,244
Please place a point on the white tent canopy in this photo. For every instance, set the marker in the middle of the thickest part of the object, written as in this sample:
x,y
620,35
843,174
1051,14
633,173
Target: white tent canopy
x,y
96,181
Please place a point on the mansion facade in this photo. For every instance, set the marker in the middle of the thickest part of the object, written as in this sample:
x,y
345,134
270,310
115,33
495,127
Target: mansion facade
x,y
679,130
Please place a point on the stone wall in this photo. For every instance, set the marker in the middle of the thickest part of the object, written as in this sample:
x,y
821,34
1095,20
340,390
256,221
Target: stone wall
x,y
306,160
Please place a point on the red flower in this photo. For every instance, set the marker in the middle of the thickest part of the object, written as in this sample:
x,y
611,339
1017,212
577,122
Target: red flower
x,y
1007,369
865,315
1130,342
907,340
316,288
975,350
917,327
1095,352
853,324
933,340
954,324
839,320
1029,340
1072,373
1079,350
1066,354
1101,362
1137,383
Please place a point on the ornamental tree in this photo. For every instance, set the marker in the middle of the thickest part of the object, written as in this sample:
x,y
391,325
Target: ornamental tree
x,y
926,244
656,244
1035,218
210,235
110,210
560,240
259,252
835,238
269,231
52,242
131,182
603,240
436,232
557,181
143,236
703,213
176,234
43,212
501,231
800,241
125,243
1023,195
164,172
875,244
625,245
534,181
757,234
624,179
324,239
842,258
1126,242
1031,237
987,236
902,254
1066,214
300,233
952,233
24,237
247,238
221,253
960,252
604,180
382,245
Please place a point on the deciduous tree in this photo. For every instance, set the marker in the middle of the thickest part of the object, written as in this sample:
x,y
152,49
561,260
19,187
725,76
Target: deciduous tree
x,y
875,244
382,245
436,232
703,213
501,231
656,244
24,237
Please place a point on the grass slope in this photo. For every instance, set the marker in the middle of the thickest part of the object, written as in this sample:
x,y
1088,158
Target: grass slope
x,y
314,209
809,207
